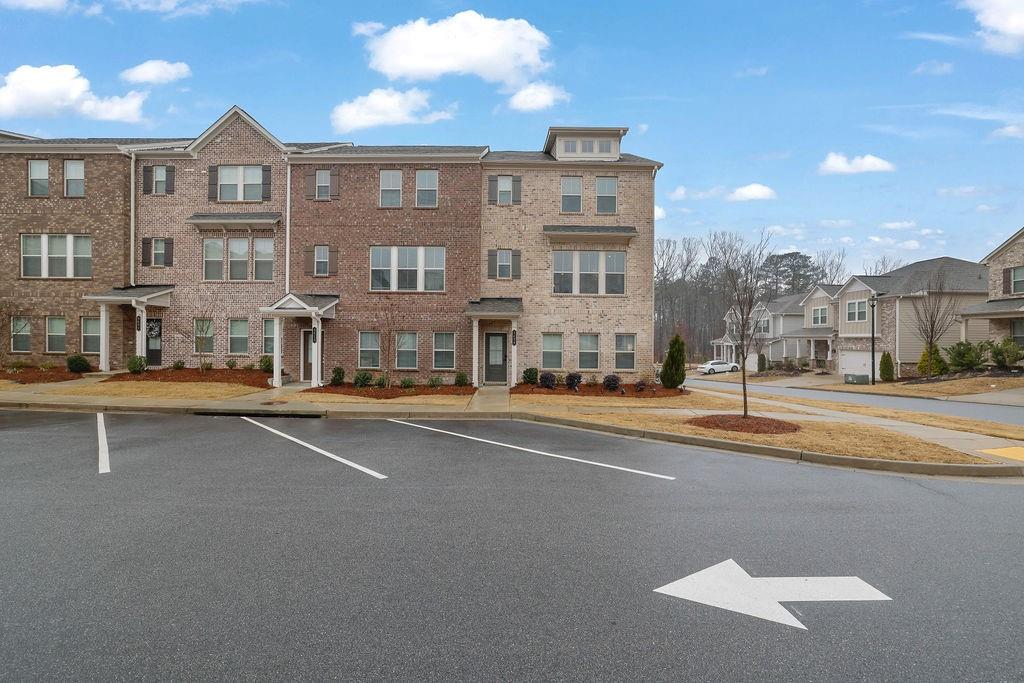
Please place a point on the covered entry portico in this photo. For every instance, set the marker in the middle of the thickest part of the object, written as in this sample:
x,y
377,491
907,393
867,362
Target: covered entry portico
x,y
141,298
496,326
316,307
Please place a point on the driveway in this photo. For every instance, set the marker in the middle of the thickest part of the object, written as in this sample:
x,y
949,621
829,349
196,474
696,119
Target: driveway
x,y
220,547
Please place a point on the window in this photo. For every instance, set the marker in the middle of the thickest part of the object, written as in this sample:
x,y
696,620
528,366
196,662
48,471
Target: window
x,y
159,180
572,194
369,349
504,190
426,189
213,259
590,275
1017,331
761,325
321,260
268,336
203,332
615,272
563,272
239,183
588,352
569,146
604,146
587,147
380,268
405,354
444,350
50,255
74,178
90,335
238,258
1017,280
323,184
390,189
238,336
607,193
551,354
21,334
408,267
856,311
819,316
625,351
159,251
56,334
504,261
38,178
263,258
433,269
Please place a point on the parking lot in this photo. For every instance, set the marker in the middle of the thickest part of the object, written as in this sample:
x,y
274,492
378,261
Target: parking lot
x,y
187,546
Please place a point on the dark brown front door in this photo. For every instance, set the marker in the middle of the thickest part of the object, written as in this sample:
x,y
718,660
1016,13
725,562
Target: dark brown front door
x,y
307,355
496,363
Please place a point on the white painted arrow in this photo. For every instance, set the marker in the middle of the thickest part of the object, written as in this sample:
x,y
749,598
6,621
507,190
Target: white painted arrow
x,y
726,586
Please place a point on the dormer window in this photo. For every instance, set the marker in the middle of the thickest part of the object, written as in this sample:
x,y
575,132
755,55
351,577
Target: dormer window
x,y
604,146
569,146
588,146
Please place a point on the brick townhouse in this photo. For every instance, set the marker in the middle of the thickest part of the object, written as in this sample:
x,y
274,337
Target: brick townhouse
x,y
418,261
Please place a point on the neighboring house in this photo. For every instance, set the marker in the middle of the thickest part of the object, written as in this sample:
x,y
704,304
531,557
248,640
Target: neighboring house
x,y
771,322
1004,308
813,337
893,295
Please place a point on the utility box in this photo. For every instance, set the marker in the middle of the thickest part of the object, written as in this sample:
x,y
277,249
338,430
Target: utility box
x,y
850,378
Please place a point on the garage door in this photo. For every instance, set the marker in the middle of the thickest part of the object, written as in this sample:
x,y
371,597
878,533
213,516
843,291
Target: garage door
x,y
857,362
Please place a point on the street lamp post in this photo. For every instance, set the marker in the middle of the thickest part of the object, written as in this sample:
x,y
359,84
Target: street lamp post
x,y
873,300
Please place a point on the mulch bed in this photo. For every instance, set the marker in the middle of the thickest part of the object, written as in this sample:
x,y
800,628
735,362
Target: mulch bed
x,y
750,425
624,391
250,378
393,392
964,375
38,375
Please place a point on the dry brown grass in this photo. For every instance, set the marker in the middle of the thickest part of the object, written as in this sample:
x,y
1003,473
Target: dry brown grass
x,y
730,377
836,438
952,387
441,400
694,400
175,390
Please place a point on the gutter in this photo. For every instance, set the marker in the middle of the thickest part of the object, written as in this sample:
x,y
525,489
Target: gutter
x,y
898,358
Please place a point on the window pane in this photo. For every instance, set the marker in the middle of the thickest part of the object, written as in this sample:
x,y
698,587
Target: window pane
x,y
444,350
572,185
390,198
625,342
606,204
380,257
268,336
588,351
604,146
31,255
238,336
426,180
433,280
391,180
433,257
213,259
83,256
238,258
369,340
607,186
504,183
408,257
57,248
380,278
21,334
551,357
572,203
56,329
38,173
426,198
588,147
263,254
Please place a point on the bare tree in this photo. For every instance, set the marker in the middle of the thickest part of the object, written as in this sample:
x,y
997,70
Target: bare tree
x,y
935,312
831,264
882,265
743,269
8,312
195,328
388,319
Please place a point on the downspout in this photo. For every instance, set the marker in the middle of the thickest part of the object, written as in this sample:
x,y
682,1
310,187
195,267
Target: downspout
x,y
898,366
131,225
288,226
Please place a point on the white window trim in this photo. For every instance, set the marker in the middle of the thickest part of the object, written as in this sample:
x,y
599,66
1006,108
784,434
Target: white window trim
x,y
436,188
631,353
240,184
420,269
561,352
317,184
248,258
46,330
30,178
66,178
499,264
1015,280
223,253
434,350
163,168
163,252
28,333
196,337
856,310
600,143
325,261
44,268
501,181
416,350
580,351
598,195
563,195
255,260
264,337
235,336
819,316
602,273
360,348
380,193
83,335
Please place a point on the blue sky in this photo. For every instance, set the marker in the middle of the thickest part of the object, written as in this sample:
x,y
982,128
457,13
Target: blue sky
x,y
919,104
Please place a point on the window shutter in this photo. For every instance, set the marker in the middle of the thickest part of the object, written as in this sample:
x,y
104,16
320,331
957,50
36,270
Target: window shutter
x,y
266,183
492,264
147,251
310,184
169,246
335,184
492,189
170,180
332,261
1007,277
517,264
212,194
307,260
147,180
517,189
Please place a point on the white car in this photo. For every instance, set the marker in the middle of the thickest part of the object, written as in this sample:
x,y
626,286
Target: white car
x,y
713,366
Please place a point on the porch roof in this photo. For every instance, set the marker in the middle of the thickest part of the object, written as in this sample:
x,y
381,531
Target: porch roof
x,y
264,219
809,333
999,308
495,307
607,233
147,294
295,305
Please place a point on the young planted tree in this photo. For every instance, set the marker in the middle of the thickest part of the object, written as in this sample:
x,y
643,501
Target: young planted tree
x,y
742,264
195,329
934,313
673,372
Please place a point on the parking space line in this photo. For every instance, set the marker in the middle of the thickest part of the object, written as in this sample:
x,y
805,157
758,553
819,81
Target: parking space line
x,y
321,451
104,452
531,450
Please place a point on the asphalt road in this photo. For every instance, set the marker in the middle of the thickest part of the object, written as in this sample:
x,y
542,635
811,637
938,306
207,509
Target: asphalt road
x,y
214,549
1013,415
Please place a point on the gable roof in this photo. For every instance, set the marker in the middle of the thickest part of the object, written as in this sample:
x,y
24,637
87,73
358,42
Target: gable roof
x,y
235,112
829,290
958,276
521,157
11,135
787,305
1019,235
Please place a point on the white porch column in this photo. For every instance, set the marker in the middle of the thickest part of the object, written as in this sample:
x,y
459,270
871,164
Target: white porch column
x,y
963,328
515,354
104,339
140,329
476,352
317,372
277,352
829,356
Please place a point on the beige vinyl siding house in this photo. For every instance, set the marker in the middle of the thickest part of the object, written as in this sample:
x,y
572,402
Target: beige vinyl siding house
x,y
910,345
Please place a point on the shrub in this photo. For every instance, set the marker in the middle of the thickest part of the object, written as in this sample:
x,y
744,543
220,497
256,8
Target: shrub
x,y
640,386
461,379
408,382
137,364
1005,354
434,382
231,364
573,381
46,365
592,379
178,365
266,364
612,382
249,366
547,380
205,365
18,365
966,356
78,363
762,362
673,372
886,369
530,376
931,363
362,379
337,376
383,381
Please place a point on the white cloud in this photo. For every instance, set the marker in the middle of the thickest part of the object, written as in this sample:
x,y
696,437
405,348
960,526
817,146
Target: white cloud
x,y
386,107
43,5
642,128
1011,131
678,194
752,192
962,191
933,67
752,72
847,241
930,232
839,164
659,213
367,28
62,89
795,231
943,38
909,245
710,193
156,71
836,223
1013,121
1002,24
180,8
537,96
899,225
984,208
